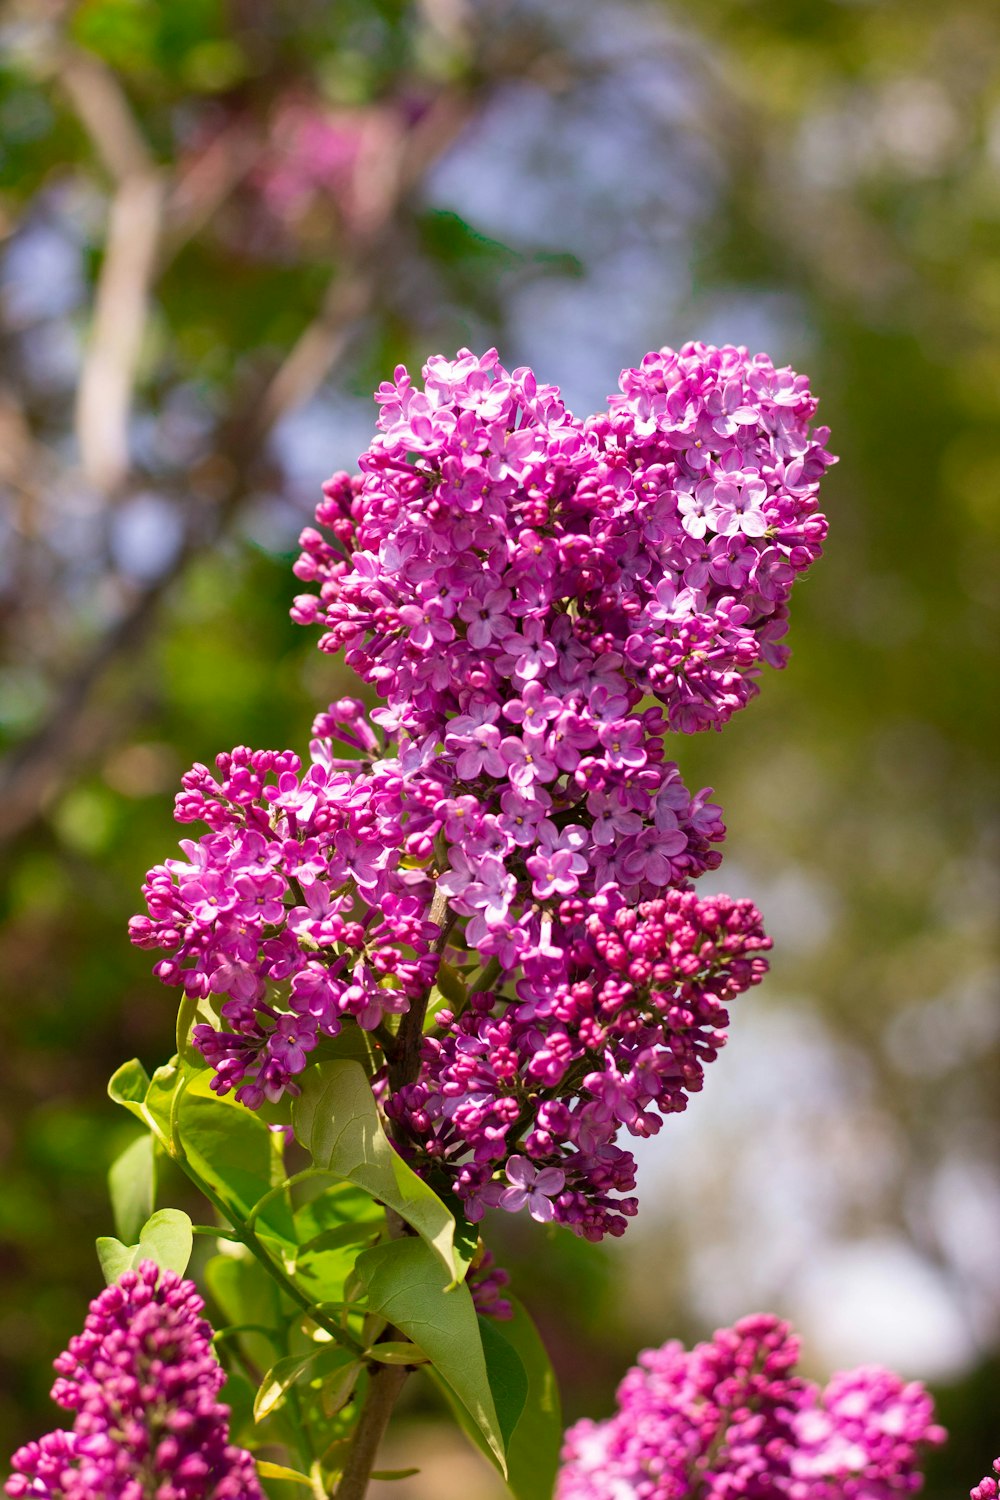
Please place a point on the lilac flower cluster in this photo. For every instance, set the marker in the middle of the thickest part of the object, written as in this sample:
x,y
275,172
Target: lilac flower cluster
x,y
494,541
732,1418
142,1380
987,1488
613,1025
515,583
293,910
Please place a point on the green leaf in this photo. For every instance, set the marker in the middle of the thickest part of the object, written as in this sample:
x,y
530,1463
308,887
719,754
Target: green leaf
x,y
338,1386
507,1376
278,1471
115,1258
242,1289
406,1285
231,1149
277,1383
189,1011
396,1352
339,1206
337,1120
282,1376
394,1473
351,1044
245,1294
128,1087
536,1440
330,1229
450,992
132,1185
451,984
341,1236
149,1099
166,1238
159,1102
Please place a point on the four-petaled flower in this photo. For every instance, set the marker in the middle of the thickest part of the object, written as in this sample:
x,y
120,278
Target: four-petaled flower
x,y
532,1188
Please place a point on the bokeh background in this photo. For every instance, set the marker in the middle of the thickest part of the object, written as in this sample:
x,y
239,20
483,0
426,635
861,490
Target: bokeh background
x,y
223,222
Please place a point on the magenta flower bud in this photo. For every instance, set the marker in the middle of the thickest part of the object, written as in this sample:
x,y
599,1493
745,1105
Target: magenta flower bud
x,y
987,1488
142,1379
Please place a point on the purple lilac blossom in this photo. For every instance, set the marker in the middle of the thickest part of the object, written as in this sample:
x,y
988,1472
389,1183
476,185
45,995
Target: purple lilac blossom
x,y
732,1418
142,1380
486,1281
987,1488
516,585
573,553
619,1010
306,907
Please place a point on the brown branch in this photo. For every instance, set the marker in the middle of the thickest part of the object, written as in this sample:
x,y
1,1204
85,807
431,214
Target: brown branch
x,y
121,303
121,307
384,1385
106,115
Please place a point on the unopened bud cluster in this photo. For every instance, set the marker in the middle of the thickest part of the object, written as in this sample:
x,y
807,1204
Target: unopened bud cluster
x,y
142,1381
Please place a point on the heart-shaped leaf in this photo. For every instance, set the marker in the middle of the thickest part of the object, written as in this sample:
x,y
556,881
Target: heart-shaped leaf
x,y
232,1149
166,1238
246,1296
128,1087
149,1099
507,1376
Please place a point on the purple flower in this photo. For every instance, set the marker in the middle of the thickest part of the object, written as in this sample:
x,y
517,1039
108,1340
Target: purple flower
x,y
517,585
521,815
553,873
625,743
425,625
209,896
647,855
732,1418
482,753
526,761
486,1282
531,653
142,1379
502,533
534,708
488,617
737,506
531,1188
